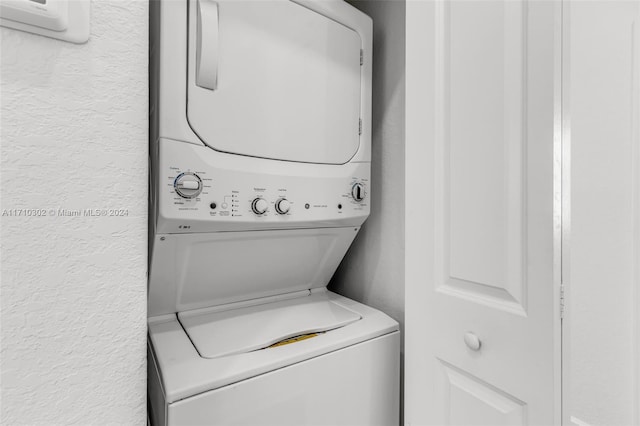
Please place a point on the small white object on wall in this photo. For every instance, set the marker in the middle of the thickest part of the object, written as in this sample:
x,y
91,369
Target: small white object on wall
x,y
66,20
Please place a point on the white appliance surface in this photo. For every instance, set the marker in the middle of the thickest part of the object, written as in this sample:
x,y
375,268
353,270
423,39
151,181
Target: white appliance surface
x,y
268,59
193,271
218,333
185,373
318,195
346,387
169,63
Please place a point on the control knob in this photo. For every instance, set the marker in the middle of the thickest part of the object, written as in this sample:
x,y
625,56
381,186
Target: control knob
x,y
259,206
357,192
283,206
188,185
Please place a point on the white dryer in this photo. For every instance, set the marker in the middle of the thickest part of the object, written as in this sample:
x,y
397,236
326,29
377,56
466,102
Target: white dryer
x,y
260,180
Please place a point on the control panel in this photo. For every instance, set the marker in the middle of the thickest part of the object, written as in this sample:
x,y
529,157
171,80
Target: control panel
x,y
197,196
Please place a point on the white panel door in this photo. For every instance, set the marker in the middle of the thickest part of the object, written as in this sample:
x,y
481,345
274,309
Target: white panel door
x,y
482,250
601,256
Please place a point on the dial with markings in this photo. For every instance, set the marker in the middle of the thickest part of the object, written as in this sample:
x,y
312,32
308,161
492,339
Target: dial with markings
x,y
357,192
283,206
259,206
188,185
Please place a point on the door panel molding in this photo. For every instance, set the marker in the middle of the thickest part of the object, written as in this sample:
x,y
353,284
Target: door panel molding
x,y
471,400
481,154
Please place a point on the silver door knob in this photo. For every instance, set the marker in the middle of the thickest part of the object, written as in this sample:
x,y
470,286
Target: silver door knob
x,y
472,341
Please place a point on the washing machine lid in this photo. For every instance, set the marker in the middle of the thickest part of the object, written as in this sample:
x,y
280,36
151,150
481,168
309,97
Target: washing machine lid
x,y
273,79
220,332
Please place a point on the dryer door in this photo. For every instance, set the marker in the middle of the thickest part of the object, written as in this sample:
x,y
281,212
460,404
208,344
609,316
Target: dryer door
x,y
273,79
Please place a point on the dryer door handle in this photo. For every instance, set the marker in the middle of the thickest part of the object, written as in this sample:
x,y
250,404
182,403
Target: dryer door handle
x,y
207,45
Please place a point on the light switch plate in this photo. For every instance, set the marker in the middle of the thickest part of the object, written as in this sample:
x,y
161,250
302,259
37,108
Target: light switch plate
x,y
32,16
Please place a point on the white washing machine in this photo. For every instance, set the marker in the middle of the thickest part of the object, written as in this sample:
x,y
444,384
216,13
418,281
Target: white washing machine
x,y
260,181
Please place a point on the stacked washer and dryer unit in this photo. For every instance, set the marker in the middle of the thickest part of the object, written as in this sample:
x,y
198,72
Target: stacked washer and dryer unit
x,y
260,180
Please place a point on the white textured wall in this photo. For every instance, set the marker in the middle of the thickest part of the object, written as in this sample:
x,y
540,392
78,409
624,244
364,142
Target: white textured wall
x,y
372,272
73,289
